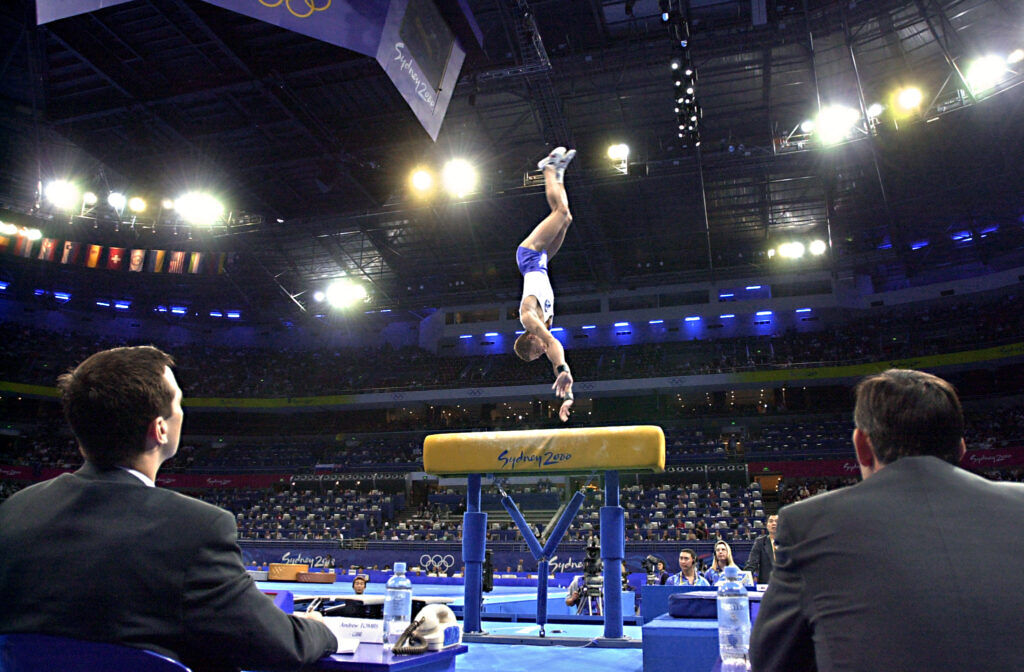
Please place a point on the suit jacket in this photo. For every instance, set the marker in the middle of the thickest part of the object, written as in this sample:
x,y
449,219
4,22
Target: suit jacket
x,y
98,555
884,576
761,560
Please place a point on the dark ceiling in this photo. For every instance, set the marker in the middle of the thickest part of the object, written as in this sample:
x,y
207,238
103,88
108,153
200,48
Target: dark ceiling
x,y
310,145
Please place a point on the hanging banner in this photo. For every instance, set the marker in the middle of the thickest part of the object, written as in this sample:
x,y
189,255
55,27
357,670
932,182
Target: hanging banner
x,y
155,261
71,251
48,250
115,259
136,260
93,258
52,10
177,263
422,57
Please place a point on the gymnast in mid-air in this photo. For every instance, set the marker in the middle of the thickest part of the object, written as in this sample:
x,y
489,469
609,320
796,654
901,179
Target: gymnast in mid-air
x,y
537,307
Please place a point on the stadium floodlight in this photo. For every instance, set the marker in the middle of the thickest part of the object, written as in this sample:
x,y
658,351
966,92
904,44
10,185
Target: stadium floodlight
x,y
618,152
344,293
117,200
199,208
89,199
167,204
32,234
8,229
909,98
136,204
421,180
62,194
875,110
807,126
817,247
984,73
1016,56
319,296
835,123
791,250
459,177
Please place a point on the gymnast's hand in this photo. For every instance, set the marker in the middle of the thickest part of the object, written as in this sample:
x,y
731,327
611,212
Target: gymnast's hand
x,y
563,412
563,384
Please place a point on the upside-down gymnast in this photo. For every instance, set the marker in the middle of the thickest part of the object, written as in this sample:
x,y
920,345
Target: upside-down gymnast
x,y
537,308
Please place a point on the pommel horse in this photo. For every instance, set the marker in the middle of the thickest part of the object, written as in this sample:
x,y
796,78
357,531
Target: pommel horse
x,y
545,452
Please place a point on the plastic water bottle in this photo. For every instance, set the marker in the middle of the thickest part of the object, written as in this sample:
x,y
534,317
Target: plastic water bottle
x,y
733,621
397,606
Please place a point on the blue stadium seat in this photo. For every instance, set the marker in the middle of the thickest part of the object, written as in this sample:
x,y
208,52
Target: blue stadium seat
x,y
33,653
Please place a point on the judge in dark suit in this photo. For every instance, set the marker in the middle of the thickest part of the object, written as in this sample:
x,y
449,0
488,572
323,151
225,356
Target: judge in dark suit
x,y
762,554
103,555
876,576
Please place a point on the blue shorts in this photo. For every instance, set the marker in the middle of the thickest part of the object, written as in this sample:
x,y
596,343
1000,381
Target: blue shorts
x,y
531,260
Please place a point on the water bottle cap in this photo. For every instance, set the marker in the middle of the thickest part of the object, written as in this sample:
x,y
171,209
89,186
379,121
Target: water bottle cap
x,y
399,568
731,571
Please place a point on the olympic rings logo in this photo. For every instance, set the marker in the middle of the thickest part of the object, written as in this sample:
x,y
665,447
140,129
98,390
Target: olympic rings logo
x,y
438,562
310,5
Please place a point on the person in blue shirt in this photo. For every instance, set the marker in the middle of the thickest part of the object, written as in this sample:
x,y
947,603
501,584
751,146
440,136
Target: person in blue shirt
x,y
688,574
722,559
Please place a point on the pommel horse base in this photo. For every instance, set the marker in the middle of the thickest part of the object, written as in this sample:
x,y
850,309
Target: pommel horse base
x,y
639,449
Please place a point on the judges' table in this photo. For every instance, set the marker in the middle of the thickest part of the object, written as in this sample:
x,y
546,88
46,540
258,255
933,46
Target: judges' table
x,y
375,658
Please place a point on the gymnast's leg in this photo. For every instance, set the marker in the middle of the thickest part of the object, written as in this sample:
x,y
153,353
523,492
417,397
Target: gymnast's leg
x,y
548,235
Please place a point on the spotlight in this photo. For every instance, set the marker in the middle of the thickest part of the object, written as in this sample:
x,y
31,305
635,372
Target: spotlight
x,y
817,247
793,250
117,200
319,296
62,194
421,180
344,293
618,152
8,229
459,177
33,234
674,64
909,98
89,199
875,110
136,204
984,73
807,126
167,204
835,123
199,208
1016,56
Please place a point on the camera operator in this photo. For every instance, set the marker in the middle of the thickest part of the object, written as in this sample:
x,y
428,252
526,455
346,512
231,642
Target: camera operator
x,y
586,591
655,568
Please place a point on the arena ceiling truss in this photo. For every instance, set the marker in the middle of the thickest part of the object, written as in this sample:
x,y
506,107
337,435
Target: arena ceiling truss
x,y
312,145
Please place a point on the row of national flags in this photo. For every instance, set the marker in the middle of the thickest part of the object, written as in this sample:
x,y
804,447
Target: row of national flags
x,y
115,258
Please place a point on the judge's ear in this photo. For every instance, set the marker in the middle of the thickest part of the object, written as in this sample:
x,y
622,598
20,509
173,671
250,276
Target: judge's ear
x,y
865,452
156,433
961,450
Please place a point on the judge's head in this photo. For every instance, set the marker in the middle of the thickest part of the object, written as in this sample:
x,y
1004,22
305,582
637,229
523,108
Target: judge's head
x,y
359,584
905,413
123,403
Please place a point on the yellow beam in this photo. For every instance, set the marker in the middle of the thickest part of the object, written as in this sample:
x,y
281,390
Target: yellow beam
x,y
546,451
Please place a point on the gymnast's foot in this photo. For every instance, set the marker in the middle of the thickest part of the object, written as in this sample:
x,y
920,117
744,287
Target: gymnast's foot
x,y
563,163
553,159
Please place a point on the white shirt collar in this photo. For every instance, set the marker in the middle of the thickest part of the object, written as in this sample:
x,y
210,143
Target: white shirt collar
x,y
141,476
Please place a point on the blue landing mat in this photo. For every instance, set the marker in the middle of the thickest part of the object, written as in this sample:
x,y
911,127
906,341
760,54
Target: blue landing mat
x,y
521,658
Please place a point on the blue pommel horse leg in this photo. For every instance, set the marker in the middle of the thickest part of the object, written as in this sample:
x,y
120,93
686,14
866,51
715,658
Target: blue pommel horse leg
x,y
474,538
613,550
